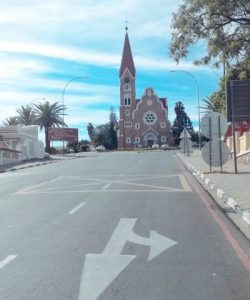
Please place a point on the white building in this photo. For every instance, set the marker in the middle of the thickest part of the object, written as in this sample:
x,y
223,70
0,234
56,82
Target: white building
x,y
18,143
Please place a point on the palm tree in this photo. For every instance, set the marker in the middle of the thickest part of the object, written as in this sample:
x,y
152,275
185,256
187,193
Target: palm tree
x,y
26,115
49,115
210,107
12,121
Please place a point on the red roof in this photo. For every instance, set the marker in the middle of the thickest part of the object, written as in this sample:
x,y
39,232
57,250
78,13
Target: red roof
x,y
127,58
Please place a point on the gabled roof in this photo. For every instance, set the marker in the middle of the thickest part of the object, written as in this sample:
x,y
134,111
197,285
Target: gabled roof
x,y
127,58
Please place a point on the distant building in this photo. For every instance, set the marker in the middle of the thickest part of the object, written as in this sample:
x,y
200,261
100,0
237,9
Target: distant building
x,y
143,122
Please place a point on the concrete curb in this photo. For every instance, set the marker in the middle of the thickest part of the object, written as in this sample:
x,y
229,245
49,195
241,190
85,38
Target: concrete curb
x,y
16,168
227,203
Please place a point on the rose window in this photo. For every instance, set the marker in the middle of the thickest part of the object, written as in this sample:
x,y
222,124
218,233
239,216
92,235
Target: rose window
x,y
150,117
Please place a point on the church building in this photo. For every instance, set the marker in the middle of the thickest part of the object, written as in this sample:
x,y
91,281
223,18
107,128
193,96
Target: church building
x,y
143,122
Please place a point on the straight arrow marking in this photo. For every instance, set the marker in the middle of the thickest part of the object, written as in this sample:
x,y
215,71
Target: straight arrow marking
x,y
100,270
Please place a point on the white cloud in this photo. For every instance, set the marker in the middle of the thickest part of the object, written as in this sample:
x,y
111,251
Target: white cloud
x,y
96,117
16,67
40,39
91,57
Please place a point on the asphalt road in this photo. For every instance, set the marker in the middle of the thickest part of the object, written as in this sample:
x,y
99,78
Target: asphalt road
x,y
116,226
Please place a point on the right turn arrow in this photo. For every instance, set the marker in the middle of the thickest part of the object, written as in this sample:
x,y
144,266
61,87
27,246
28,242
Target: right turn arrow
x,y
100,270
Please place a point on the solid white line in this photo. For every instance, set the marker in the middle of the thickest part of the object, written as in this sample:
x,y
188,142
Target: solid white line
x,y
185,184
106,186
31,187
74,210
105,191
7,260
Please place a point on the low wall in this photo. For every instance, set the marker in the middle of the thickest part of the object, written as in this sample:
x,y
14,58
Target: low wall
x,y
242,144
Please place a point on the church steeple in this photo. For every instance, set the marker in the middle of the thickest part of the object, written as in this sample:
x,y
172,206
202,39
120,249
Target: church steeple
x,y
127,57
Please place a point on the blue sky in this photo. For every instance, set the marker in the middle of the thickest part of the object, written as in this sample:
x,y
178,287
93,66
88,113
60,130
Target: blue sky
x,y
44,44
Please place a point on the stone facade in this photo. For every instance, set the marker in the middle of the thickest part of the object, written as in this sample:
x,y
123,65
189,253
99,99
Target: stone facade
x,y
143,122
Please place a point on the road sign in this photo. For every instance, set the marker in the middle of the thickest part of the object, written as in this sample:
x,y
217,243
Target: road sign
x,y
63,134
186,146
185,134
214,125
185,143
215,153
102,269
238,102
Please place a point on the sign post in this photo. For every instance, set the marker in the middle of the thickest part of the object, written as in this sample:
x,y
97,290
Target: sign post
x,y
215,153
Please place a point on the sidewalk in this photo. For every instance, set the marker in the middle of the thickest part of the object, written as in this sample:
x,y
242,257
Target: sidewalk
x,y
231,191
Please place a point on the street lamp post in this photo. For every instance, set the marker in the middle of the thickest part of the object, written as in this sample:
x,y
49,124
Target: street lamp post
x,y
63,94
198,100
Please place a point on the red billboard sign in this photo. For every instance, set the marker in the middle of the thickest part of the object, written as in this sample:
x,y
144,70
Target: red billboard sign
x,y
63,134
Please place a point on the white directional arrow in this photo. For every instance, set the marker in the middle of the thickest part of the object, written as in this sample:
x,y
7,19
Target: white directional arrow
x,y
124,233
159,244
102,269
99,271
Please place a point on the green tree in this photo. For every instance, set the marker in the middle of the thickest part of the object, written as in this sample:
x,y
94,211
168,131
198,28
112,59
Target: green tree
x,y
26,115
83,145
112,128
239,71
105,134
102,135
91,131
48,115
12,121
223,24
182,120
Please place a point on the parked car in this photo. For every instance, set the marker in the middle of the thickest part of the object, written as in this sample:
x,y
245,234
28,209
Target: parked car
x,y
46,155
195,145
164,146
155,146
100,148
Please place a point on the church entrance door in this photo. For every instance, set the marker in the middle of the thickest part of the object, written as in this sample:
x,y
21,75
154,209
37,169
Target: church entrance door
x,y
149,139
150,143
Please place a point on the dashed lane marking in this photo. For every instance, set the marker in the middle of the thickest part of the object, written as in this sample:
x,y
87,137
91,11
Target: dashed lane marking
x,y
7,260
74,210
106,186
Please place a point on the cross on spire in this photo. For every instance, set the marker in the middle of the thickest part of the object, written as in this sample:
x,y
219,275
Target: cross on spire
x,y
127,57
126,22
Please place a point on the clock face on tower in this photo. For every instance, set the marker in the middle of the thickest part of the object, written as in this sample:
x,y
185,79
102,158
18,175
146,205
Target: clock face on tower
x,y
126,80
127,87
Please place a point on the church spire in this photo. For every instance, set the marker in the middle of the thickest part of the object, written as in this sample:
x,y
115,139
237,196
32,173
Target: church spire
x,y
127,57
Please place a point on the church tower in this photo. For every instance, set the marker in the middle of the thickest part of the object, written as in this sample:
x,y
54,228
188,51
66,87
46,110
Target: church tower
x,y
127,75
143,122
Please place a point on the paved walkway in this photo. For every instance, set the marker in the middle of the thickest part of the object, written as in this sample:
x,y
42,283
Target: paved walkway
x,y
231,191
